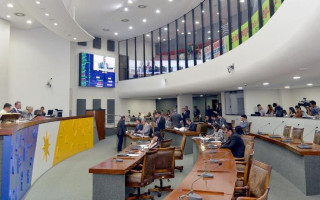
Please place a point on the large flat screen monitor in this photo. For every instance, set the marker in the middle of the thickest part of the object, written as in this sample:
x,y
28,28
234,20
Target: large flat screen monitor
x,y
96,71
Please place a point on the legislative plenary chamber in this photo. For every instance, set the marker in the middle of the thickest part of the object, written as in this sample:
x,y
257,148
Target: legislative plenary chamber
x,y
161,100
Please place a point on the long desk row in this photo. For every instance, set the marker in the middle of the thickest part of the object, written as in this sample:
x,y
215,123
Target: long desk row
x,y
299,166
29,149
109,175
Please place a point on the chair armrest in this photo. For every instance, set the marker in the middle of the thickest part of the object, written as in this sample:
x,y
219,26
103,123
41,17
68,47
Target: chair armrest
x,y
135,171
239,159
241,188
246,198
241,162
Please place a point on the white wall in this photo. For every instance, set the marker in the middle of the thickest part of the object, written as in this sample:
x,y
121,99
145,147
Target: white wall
x,y
37,55
4,61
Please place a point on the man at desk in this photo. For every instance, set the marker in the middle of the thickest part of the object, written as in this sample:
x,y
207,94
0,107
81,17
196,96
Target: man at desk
x,y
17,107
160,122
146,128
139,126
191,126
121,130
234,142
6,109
221,121
27,114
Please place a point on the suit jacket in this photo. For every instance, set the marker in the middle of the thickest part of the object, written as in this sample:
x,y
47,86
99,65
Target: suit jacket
x,y
192,127
121,127
176,118
138,128
14,110
222,121
161,124
146,129
236,145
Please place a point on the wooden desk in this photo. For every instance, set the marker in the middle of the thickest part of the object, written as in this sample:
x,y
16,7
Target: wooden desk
x,y
130,138
219,187
176,137
299,166
100,117
109,176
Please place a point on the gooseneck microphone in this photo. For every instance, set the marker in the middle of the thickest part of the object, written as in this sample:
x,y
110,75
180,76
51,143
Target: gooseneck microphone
x,y
216,160
304,145
259,132
276,136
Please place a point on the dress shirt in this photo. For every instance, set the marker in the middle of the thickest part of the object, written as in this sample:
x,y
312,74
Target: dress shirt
x,y
146,129
2,112
244,124
315,111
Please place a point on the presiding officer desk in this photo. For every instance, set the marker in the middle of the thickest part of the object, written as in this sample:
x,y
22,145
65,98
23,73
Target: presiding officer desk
x,y
109,175
30,148
299,166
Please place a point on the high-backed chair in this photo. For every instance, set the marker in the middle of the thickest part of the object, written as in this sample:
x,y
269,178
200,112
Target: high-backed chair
x,y
297,135
286,131
243,164
247,139
258,182
178,152
316,138
250,125
202,128
165,143
164,169
139,179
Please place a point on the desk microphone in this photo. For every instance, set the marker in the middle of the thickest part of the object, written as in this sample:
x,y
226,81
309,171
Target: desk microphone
x,y
304,145
276,136
216,160
259,132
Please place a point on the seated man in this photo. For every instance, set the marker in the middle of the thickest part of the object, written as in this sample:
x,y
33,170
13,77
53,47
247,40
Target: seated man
x,y
222,121
244,123
17,107
146,128
169,123
218,133
234,142
27,114
239,130
156,140
261,110
191,126
214,119
6,109
41,112
139,126
315,110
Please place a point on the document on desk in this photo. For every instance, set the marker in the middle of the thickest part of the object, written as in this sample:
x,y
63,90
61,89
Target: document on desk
x,y
133,155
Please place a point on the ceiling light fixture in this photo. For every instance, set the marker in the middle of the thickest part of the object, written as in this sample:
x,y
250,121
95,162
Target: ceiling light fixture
x,y
287,87
130,1
29,22
56,24
242,1
115,33
19,14
203,11
182,33
74,38
10,5
8,16
157,11
189,33
296,77
209,31
217,13
164,39
159,98
309,84
209,38
240,88
148,35
47,14
38,2
144,20
170,0
182,21
126,9
265,84
165,28
197,22
130,27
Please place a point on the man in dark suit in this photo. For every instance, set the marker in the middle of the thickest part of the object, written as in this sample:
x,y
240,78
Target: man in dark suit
x,y
196,112
139,126
185,114
121,130
191,126
160,122
176,118
17,108
234,142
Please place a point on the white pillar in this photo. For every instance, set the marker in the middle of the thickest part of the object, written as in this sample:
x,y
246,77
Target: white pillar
x,y
185,100
4,61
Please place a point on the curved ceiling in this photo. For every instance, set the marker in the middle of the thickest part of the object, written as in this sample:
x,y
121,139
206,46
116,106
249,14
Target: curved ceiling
x,y
281,50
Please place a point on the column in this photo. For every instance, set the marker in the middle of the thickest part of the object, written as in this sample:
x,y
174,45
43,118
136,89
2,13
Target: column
x,y
4,61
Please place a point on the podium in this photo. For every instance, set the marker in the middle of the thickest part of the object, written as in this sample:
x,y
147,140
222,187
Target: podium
x,y
100,117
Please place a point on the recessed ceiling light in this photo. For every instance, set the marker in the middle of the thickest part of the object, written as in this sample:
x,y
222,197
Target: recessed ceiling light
x,y
240,88
126,9
148,35
157,11
170,0
29,22
47,14
203,11
164,39
296,77
178,30
158,38
10,5
209,31
182,33
130,27
130,1
287,87
38,2
124,20
218,31
217,13
8,16
201,95
144,20
265,84
209,38
19,14
142,6
165,28
182,21
309,84
74,38
242,1
197,22
56,24
115,33
189,33
159,98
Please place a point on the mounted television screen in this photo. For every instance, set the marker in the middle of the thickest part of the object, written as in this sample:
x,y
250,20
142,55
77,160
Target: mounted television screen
x,y
96,71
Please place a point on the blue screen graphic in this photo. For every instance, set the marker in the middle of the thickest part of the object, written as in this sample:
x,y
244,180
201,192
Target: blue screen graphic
x,y
96,71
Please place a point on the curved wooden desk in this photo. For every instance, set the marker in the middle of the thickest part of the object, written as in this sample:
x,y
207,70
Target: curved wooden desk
x,y
299,166
130,138
176,137
29,149
219,187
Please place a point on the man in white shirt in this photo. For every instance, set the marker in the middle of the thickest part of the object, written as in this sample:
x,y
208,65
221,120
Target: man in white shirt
x,y
17,107
6,109
261,110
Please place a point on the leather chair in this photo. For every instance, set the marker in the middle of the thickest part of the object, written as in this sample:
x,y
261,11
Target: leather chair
x,y
164,169
247,139
316,138
258,183
243,164
202,128
138,179
297,135
165,143
286,131
178,152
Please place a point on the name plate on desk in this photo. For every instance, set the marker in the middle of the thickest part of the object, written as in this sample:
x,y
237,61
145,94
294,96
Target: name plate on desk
x,y
275,136
304,146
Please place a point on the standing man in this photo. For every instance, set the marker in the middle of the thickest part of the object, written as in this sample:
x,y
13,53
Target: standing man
x,y
278,110
17,107
196,112
185,115
121,130
176,118
209,112
160,122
